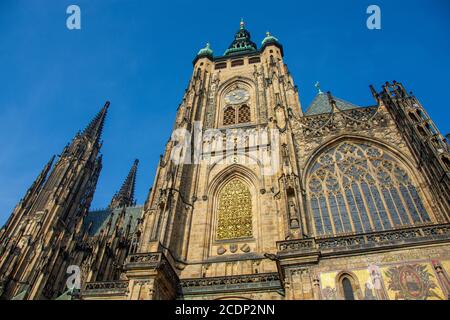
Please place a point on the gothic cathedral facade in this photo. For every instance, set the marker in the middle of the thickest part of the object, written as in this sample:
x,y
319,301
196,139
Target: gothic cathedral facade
x,y
253,198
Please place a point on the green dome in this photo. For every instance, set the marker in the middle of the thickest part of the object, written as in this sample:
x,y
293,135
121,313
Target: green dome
x,y
269,39
206,51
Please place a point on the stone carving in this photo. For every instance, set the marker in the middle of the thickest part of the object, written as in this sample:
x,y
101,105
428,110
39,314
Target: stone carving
x,y
349,120
368,241
294,245
245,248
232,280
107,286
144,257
293,220
221,250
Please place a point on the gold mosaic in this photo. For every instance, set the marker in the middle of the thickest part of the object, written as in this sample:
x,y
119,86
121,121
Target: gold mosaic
x,y
235,211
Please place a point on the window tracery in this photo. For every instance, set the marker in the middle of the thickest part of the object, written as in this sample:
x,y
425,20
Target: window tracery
x,y
236,115
358,187
229,116
244,114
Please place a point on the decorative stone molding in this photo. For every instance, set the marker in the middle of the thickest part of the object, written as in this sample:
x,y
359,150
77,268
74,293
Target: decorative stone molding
x,y
144,258
152,261
261,281
106,287
368,241
296,245
348,120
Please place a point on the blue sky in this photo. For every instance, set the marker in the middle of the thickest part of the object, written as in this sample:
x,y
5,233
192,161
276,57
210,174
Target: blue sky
x,y
138,55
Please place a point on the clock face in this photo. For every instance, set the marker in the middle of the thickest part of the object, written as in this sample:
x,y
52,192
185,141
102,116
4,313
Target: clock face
x,y
236,96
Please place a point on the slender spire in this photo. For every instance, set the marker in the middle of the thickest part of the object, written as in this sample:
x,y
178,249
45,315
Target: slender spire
x,y
95,127
37,184
46,169
125,196
26,200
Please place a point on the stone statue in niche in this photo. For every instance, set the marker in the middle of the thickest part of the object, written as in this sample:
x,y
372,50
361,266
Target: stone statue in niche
x,y
293,220
280,117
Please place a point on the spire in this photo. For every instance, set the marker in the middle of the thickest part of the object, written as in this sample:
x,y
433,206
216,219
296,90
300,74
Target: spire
x,y
94,129
26,201
242,42
46,169
37,184
125,196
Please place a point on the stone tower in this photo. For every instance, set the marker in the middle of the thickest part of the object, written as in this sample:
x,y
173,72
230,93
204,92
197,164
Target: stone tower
x,y
222,137
38,237
255,199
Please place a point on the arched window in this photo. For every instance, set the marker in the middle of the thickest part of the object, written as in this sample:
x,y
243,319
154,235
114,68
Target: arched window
x,y
234,211
347,289
358,187
229,116
413,117
244,114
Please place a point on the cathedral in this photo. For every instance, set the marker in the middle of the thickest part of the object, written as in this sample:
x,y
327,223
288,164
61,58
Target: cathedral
x,y
254,197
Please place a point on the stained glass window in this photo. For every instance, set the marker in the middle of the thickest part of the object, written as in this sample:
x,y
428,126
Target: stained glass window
x,y
234,211
357,187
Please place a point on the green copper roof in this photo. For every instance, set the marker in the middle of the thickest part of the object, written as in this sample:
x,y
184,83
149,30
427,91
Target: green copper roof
x,y
321,104
206,51
241,43
269,39
100,219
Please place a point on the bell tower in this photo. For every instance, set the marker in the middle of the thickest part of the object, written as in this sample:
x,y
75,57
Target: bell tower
x,y
226,187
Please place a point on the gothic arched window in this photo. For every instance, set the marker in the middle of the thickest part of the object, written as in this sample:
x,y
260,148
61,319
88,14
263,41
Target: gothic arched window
x,y
234,211
244,114
358,187
347,289
229,116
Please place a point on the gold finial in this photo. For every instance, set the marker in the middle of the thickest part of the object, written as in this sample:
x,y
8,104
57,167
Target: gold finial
x,y
268,34
242,24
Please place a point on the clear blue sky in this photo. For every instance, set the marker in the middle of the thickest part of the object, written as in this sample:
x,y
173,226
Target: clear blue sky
x,y
138,55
